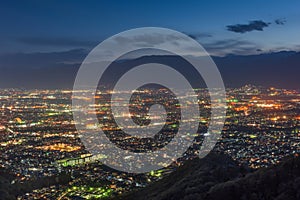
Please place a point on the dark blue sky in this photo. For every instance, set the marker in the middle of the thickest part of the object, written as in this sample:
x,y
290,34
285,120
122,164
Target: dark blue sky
x,y
43,42
45,26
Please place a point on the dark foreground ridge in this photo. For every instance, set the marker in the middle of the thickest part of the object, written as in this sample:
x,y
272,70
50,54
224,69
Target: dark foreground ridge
x,y
10,190
218,177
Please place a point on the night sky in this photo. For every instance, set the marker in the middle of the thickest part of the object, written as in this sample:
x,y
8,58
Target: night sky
x,y
37,35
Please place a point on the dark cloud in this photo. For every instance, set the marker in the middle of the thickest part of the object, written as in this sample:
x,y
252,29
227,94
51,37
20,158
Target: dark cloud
x,y
257,25
197,36
280,21
40,70
61,42
41,60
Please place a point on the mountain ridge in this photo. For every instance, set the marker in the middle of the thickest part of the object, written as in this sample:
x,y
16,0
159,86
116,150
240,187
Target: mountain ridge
x,y
276,69
279,182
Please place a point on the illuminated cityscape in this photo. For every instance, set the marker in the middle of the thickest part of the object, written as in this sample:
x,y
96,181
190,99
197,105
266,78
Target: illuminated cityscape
x,y
39,142
149,100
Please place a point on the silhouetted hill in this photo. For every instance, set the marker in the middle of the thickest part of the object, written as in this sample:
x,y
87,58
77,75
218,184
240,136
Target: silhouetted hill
x,y
280,182
9,190
6,189
218,177
58,69
277,69
193,179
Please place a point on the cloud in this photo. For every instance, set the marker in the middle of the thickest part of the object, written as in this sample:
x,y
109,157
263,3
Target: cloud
x,y
158,40
148,39
231,46
280,21
40,70
197,36
58,41
41,60
257,25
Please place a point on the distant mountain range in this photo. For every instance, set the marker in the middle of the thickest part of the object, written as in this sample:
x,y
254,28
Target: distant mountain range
x,y
58,70
217,177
